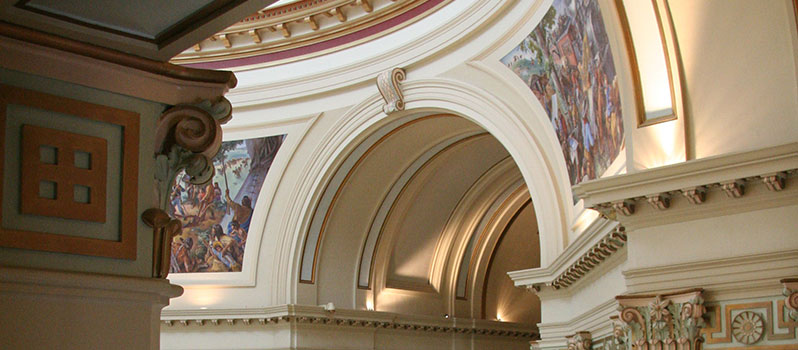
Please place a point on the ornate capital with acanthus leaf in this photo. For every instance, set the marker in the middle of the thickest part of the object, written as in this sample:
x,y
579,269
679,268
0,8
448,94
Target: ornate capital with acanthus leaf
x,y
666,321
791,292
580,341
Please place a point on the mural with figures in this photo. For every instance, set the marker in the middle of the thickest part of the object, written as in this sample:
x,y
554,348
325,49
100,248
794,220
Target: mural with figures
x,y
216,217
567,63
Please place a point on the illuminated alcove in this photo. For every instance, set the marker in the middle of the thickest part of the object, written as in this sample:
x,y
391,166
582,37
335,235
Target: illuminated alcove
x,y
425,216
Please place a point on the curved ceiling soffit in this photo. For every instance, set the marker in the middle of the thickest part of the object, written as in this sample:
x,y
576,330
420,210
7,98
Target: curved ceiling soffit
x,y
332,189
509,125
470,217
367,255
393,230
480,272
480,263
489,206
526,133
468,260
302,30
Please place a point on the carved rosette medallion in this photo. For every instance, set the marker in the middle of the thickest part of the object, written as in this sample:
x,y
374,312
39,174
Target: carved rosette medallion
x,y
668,321
748,327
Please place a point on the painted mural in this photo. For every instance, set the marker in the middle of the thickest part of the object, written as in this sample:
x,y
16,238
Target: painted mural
x,y
567,63
216,217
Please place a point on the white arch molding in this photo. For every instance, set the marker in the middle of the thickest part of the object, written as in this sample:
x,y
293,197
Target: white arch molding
x,y
524,131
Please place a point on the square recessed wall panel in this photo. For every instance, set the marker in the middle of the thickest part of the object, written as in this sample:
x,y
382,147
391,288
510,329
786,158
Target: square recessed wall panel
x,y
79,186
69,175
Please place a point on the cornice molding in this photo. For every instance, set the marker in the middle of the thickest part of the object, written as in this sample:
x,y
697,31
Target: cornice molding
x,y
601,239
328,315
117,57
113,76
594,320
694,189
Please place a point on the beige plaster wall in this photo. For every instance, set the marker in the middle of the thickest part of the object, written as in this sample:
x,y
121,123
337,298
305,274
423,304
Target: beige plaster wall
x,y
519,248
744,234
740,74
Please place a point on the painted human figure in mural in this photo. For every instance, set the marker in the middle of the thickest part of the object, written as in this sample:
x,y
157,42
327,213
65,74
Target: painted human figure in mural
x,y
220,254
216,217
206,201
567,63
242,213
181,259
239,234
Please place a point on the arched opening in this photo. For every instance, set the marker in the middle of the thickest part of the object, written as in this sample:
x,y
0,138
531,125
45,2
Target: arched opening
x,y
423,217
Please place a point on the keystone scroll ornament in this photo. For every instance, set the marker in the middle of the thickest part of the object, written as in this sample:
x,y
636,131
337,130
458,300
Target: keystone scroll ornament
x,y
388,84
663,322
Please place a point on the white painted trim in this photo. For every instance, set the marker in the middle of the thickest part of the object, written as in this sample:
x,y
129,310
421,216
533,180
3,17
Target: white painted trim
x,y
741,276
596,321
689,174
545,275
314,314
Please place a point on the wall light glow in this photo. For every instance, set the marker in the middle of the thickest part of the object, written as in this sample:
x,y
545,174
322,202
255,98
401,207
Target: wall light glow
x,y
369,305
202,298
671,151
649,50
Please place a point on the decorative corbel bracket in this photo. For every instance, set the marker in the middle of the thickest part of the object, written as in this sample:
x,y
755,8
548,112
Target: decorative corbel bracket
x,y
663,321
625,207
187,137
695,195
391,90
660,201
775,182
733,188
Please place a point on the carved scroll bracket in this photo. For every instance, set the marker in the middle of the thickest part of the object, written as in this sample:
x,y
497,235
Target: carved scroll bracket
x,y
666,321
187,137
391,90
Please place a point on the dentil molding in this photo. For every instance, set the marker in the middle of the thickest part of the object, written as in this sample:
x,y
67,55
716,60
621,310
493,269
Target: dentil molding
x,y
330,316
599,242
